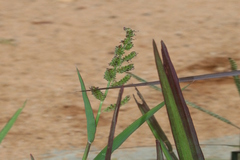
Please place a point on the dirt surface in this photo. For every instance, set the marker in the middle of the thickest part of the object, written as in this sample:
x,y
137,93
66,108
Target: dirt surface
x,y
42,43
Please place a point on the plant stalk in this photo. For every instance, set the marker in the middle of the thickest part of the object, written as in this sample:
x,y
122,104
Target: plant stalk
x,y
100,106
87,149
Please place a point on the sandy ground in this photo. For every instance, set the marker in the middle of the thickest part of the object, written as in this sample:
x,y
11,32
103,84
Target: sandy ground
x,y
48,39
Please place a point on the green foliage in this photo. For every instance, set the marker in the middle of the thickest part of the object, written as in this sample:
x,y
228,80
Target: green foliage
x,y
119,139
10,123
157,131
212,114
180,119
181,123
109,75
117,68
91,125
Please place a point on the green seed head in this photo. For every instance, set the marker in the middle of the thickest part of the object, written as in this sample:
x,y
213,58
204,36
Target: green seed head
x,y
97,93
122,81
119,50
116,61
125,68
130,56
110,74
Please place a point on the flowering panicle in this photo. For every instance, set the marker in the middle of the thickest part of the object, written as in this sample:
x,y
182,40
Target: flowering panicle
x,y
117,67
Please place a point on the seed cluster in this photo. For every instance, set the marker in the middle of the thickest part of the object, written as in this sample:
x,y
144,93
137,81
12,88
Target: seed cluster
x,y
97,93
118,60
117,66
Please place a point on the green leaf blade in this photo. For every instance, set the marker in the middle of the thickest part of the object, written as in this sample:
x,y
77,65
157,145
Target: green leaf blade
x,y
156,129
181,105
183,130
91,124
159,151
10,123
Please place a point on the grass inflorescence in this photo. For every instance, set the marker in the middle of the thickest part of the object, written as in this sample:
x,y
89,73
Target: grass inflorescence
x,y
118,65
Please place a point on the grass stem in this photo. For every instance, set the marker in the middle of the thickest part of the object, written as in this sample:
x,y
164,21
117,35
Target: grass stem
x,y
101,103
87,149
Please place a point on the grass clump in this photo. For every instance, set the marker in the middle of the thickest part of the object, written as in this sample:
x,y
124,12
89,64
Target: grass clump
x,y
184,133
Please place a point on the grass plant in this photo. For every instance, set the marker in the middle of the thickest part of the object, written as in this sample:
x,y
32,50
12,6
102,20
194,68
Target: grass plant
x,y
182,127
184,133
116,67
10,123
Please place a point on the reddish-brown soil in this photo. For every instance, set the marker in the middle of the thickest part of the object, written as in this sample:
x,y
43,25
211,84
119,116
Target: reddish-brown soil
x,y
51,38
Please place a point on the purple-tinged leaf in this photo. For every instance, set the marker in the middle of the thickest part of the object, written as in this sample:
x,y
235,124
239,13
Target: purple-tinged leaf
x,y
180,102
113,125
159,151
155,127
181,124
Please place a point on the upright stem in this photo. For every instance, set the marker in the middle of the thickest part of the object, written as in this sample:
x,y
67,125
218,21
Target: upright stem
x,y
99,112
87,149
100,106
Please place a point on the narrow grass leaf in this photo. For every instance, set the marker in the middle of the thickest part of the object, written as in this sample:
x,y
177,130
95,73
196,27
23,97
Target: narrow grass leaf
x,y
181,123
91,125
118,140
113,125
10,123
155,127
159,151
212,114
32,158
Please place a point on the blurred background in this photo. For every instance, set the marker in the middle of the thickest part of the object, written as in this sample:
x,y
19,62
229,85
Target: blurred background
x,y
42,43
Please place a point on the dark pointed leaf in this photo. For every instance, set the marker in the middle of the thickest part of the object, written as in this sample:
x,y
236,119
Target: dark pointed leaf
x,y
181,123
118,140
113,125
159,151
155,128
